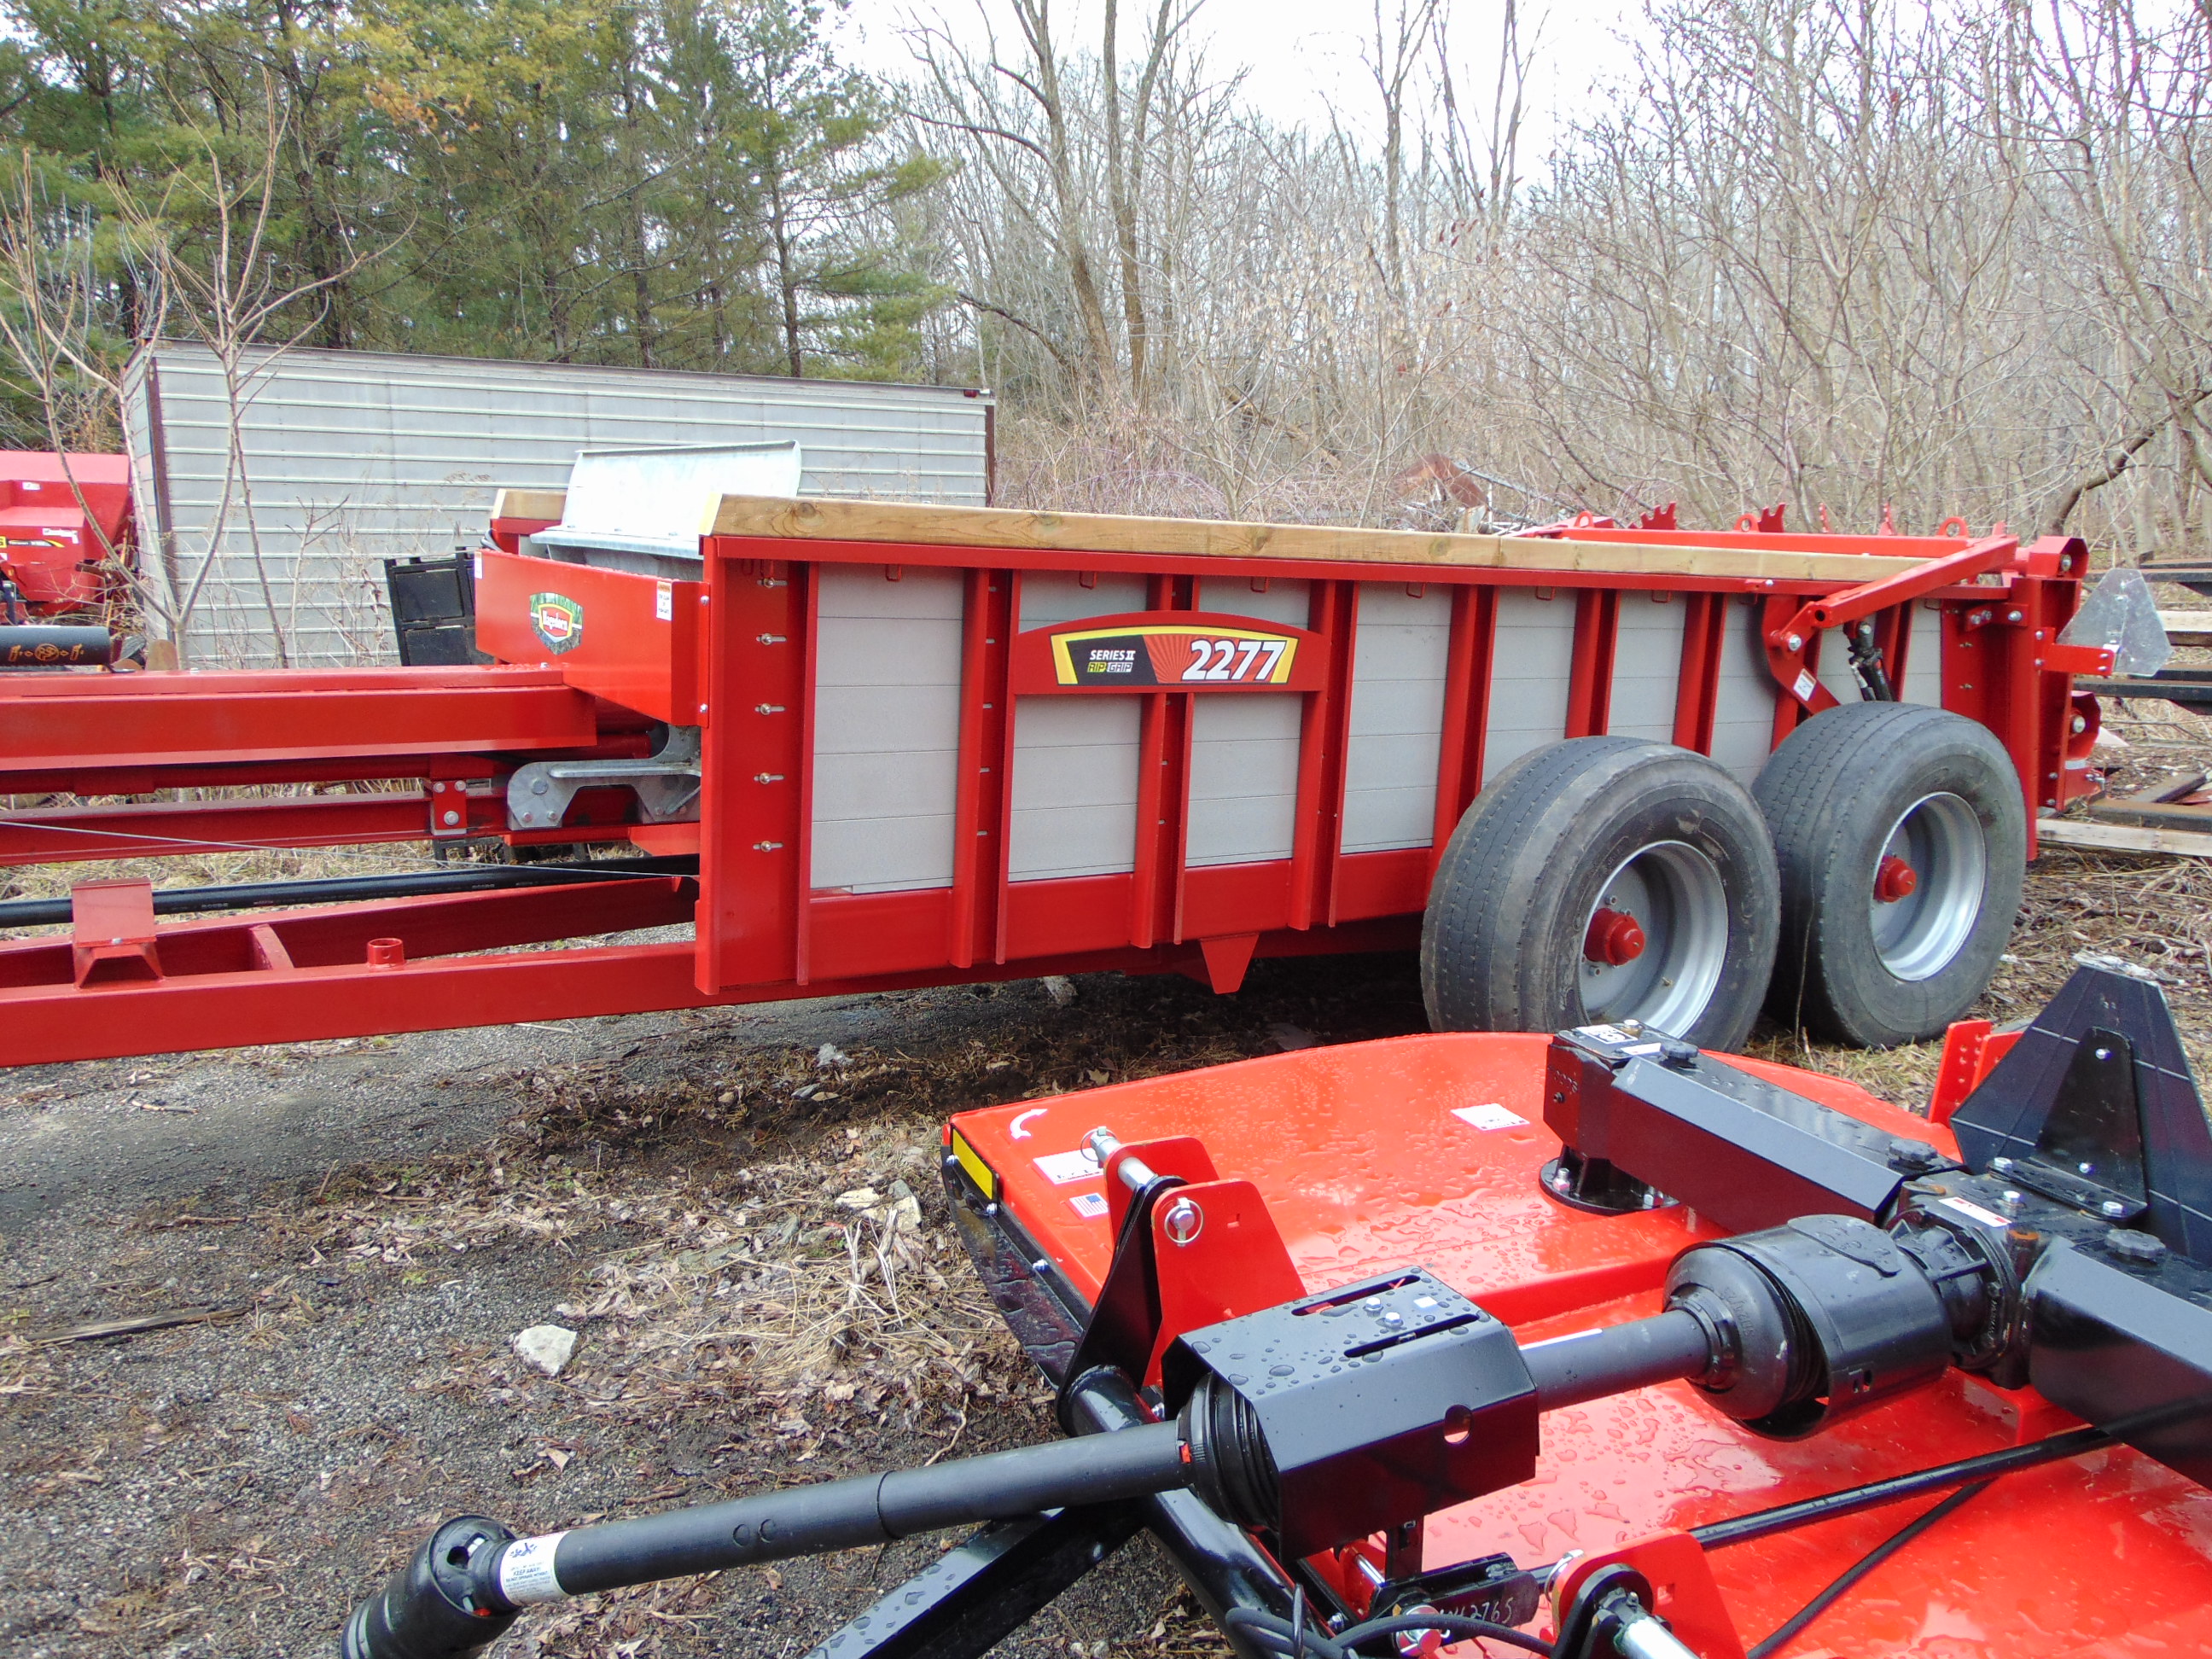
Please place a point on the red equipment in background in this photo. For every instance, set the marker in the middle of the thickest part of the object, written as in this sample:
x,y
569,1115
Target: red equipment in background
x,y
62,517
870,812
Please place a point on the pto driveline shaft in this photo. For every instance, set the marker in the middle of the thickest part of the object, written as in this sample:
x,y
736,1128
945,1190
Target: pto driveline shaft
x,y
464,1587
1592,1364
869,1509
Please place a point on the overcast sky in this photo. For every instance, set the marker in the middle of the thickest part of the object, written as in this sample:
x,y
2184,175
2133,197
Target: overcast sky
x,y
1303,57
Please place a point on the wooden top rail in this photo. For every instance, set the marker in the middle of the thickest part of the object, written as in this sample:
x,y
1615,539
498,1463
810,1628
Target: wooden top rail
x,y
547,504
820,520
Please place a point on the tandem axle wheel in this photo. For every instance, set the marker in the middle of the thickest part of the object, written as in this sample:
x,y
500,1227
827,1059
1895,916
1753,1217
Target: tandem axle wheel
x,y
1864,886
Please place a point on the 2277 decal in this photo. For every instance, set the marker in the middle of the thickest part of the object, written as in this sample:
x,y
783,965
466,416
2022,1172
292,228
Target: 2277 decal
x,y
1173,655
1154,651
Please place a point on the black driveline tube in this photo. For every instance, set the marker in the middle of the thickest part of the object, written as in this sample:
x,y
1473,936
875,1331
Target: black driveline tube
x,y
871,1509
1215,1557
1591,1364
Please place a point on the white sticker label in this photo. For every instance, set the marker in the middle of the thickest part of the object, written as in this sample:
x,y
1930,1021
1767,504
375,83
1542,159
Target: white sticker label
x,y
525,1571
1061,1167
1490,1116
663,601
1091,1206
1802,687
1603,1033
479,567
1975,1212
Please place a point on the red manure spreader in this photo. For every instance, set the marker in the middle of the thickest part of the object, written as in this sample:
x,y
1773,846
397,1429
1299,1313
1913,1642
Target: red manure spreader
x,y
1593,772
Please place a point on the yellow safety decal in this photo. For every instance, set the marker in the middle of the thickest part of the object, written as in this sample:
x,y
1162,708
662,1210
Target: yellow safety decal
x,y
985,1177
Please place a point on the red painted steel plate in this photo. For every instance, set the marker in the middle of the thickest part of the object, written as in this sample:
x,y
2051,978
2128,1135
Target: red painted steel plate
x,y
1373,1155
632,639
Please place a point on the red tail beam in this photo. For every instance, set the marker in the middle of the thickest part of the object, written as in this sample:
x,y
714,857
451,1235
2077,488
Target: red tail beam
x,y
66,722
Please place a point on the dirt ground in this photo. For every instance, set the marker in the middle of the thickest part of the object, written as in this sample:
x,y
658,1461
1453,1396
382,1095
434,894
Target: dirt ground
x,y
376,1219
716,1202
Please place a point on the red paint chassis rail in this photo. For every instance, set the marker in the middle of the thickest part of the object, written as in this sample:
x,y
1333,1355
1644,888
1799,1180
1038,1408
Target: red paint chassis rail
x,y
421,756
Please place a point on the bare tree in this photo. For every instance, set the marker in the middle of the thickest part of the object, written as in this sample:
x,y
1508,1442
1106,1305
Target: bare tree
x,y
1887,262
229,295
51,295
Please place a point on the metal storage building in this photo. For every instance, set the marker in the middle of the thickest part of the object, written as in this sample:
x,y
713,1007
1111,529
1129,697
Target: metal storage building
x,y
346,458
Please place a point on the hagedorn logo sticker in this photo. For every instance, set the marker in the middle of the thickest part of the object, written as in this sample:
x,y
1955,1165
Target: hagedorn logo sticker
x,y
557,620
1174,655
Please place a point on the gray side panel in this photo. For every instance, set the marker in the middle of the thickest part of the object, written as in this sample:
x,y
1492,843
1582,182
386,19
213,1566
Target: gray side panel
x,y
1743,713
1243,778
353,457
1399,656
1647,667
1835,668
1058,596
1244,750
886,728
1290,603
1923,657
1074,787
1529,663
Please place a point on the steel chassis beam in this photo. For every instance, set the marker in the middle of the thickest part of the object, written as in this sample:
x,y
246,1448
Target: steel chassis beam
x,y
74,834
64,722
297,976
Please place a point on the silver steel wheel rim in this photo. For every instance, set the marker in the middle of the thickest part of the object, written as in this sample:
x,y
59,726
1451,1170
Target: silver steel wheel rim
x,y
1675,895
1941,837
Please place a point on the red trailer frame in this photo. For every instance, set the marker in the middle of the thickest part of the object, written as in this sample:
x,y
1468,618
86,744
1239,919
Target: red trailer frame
x,y
592,658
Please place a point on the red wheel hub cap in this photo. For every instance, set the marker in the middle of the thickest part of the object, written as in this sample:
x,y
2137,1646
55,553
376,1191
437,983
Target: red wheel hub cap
x,y
1614,938
1892,880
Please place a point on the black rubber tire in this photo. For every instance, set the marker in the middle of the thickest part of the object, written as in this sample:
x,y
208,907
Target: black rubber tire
x,y
1502,938
1831,793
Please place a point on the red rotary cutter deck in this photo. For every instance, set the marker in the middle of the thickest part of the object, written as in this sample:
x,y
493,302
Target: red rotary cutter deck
x,y
1428,1150
1591,1345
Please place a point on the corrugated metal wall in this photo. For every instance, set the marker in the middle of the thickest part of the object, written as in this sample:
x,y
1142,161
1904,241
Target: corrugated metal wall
x,y
353,457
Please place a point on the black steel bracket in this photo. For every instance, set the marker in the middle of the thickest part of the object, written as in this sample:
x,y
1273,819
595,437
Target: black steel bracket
x,y
965,1603
2095,1107
1125,1323
1490,1587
